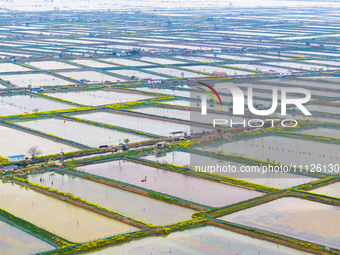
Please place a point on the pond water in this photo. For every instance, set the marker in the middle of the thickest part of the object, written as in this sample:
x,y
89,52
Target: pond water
x,y
186,115
302,66
321,108
138,207
260,68
36,79
125,62
92,63
17,242
98,97
329,132
307,83
200,241
92,76
231,57
18,142
138,74
82,133
9,67
294,217
332,190
157,127
174,72
172,183
52,65
281,149
182,93
212,69
65,220
6,110
27,103
161,61
199,59
276,180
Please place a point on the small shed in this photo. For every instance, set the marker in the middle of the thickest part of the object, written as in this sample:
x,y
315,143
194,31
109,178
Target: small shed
x,y
9,168
219,74
16,157
161,144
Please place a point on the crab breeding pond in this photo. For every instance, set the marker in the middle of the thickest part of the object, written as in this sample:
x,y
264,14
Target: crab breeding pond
x,y
281,149
180,185
201,241
19,242
138,207
98,97
82,133
157,127
294,217
65,220
276,180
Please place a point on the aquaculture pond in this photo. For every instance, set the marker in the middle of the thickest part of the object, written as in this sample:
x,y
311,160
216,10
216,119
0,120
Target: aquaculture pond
x,y
294,217
18,142
29,104
90,76
174,72
138,207
83,133
200,241
161,61
58,217
98,97
288,151
18,242
9,67
174,92
198,162
126,62
136,74
35,80
212,69
186,114
157,127
6,110
323,131
172,183
332,190
52,65
92,63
